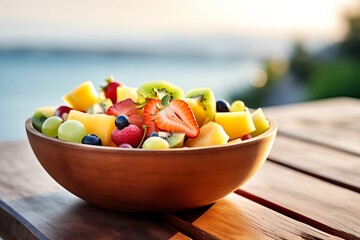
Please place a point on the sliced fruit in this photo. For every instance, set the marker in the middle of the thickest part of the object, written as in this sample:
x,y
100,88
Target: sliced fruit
x,y
237,106
51,125
124,92
235,124
155,143
198,110
131,134
175,140
211,134
159,89
72,131
205,106
152,107
177,117
82,97
129,108
110,89
40,115
100,107
99,124
260,121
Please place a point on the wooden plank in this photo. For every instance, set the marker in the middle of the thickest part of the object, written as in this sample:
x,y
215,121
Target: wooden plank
x,y
235,217
14,226
331,165
331,122
60,215
320,201
21,175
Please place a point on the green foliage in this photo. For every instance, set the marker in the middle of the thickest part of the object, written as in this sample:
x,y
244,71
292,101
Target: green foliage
x,y
333,78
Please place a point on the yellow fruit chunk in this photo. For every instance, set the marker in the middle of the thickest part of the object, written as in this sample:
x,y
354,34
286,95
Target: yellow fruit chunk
x,y
235,124
260,121
124,92
82,97
237,106
198,110
210,134
99,124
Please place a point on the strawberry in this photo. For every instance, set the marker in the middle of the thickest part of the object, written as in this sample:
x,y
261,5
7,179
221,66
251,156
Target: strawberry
x,y
129,108
177,116
131,134
110,89
151,107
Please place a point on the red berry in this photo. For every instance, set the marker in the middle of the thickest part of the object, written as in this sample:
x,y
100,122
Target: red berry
x,y
110,89
63,112
246,137
152,107
127,107
131,134
177,117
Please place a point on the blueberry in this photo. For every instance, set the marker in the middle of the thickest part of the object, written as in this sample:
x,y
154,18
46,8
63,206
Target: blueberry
x,y
222,106
91,139
121,121
154,134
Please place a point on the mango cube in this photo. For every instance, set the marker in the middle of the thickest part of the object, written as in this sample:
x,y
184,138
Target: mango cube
x,y
235,124
101,125
124,92
82,97
210,134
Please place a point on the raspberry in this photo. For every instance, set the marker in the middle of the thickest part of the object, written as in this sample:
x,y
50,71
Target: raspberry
x,y
131,134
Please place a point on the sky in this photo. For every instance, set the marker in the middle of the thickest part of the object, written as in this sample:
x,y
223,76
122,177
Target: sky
x,y
71,22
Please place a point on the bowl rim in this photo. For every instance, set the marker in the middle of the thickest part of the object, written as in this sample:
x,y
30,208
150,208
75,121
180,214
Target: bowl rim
x,y
31,130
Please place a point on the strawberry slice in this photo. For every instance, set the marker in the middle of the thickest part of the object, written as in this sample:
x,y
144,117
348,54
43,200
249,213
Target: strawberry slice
x,y
177,117
151,108
127,107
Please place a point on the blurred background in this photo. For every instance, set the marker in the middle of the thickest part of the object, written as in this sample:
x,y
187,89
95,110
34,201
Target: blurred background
x,y
262,52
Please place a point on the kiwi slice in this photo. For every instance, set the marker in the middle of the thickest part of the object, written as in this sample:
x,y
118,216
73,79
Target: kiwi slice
x,y
175,139
159,89
205,99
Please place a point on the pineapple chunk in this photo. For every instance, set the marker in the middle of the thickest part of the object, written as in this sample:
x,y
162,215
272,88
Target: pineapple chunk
x,y
235,124
101,125
210,134
260,121
82,97
123,92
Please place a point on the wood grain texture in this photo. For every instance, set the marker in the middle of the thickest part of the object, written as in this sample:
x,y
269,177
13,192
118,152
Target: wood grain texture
x,y
330,122
324,202
21,175
60,215
235,217
14,226
322,161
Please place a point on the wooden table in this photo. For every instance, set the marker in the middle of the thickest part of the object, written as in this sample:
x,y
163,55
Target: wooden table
x,y
307,189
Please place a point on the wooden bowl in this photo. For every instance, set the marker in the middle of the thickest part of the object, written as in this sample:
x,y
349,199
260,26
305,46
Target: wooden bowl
x,y
139,180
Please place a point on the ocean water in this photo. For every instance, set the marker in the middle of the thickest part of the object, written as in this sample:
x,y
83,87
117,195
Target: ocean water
x,y
32,79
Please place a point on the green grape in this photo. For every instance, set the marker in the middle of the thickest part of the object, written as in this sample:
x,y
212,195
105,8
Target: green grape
x,y
237,106
72,131
51,125
155,143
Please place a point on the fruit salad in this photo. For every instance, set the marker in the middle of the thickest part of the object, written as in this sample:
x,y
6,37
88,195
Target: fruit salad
x,y
157,115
